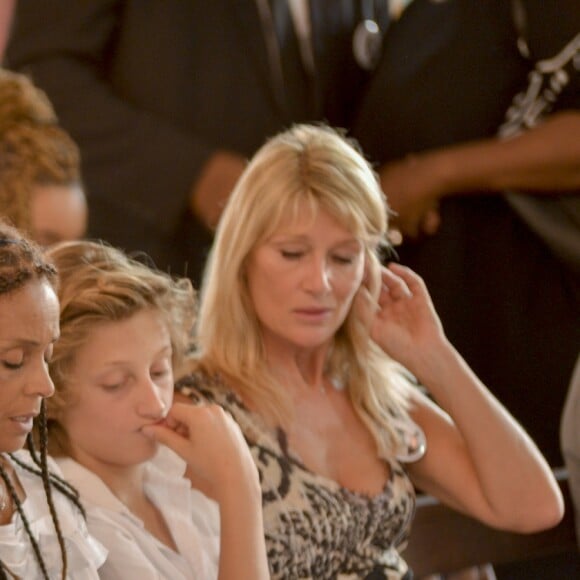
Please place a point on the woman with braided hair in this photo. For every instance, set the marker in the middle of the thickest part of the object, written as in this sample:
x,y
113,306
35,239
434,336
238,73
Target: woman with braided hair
x,y
40,177
42,529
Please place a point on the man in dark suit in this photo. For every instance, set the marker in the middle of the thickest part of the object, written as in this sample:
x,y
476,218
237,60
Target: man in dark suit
x,y
168,98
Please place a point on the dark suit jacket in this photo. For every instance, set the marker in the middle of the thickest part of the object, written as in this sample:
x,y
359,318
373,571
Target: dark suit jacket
x,y
150,88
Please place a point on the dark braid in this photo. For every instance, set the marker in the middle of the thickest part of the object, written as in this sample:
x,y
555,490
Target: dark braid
x,y
49,480
18,505
48,489
5,572
63,486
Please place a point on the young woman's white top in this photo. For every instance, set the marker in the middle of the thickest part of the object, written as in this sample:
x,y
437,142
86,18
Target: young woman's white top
x,y
192,520
85,555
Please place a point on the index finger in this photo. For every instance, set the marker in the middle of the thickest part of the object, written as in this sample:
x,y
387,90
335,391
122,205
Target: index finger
x,y
413,281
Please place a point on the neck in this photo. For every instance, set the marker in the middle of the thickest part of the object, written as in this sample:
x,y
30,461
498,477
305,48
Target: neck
x,y
299,369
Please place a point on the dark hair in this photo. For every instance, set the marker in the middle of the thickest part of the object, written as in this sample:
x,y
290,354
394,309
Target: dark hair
x,y
21,260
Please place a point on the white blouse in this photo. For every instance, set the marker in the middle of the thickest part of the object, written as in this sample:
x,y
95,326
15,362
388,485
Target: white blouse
x,y
85,555
192,520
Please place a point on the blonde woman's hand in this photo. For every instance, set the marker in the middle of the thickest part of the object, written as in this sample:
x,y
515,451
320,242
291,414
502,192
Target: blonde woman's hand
x,y
405,324
211,443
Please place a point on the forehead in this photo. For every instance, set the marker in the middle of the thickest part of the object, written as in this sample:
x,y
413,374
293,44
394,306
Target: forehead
x,y
144,330
309,214
29,314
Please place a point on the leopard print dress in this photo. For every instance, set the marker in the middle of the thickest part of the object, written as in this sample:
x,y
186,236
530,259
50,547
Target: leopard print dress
x,y
314,528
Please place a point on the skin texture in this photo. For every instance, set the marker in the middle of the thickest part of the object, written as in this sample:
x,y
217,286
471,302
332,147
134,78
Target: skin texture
x,y
57,213
28,328
120,411
303,280
122,378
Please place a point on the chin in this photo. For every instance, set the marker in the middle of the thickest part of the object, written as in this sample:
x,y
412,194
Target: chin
x,y
147,451
13,444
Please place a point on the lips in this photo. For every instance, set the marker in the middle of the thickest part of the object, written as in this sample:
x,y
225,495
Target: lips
x,y
23,422
25,416
315,311
314,316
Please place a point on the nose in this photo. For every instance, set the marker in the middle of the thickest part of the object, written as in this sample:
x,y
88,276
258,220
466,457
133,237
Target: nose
x,y
318,277
150,403
39,383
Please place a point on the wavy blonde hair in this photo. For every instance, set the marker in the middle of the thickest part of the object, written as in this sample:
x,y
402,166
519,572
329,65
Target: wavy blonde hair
x,y
99,284
321,166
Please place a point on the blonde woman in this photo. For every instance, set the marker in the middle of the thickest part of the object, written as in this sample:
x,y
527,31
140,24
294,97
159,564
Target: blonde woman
x,y
309,342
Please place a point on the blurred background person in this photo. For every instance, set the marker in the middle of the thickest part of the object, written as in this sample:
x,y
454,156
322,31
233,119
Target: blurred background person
x,y
40,177
168,98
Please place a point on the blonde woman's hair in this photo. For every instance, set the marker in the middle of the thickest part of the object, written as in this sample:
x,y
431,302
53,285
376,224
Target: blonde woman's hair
x,y
319,166
100,284
34,149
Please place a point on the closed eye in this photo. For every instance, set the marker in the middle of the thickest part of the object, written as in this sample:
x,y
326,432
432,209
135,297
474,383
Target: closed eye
x,y
343,259
113,387
12,366
291,255
160,374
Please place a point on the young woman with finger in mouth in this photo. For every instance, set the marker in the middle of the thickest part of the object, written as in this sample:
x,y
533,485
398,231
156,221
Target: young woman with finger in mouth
x,y
146,469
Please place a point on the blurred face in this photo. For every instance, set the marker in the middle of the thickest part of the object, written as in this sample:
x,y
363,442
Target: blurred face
x,y
303,279
57,213
28,329
121,381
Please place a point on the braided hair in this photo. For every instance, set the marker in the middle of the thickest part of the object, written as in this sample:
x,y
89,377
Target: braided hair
x,y
21,262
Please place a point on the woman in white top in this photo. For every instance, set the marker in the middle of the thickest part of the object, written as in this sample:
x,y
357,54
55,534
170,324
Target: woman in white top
x,y
42,530
124,329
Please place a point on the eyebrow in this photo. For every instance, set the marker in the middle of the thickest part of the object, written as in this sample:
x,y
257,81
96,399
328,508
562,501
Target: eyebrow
x,y
16,342
281,238
166,349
